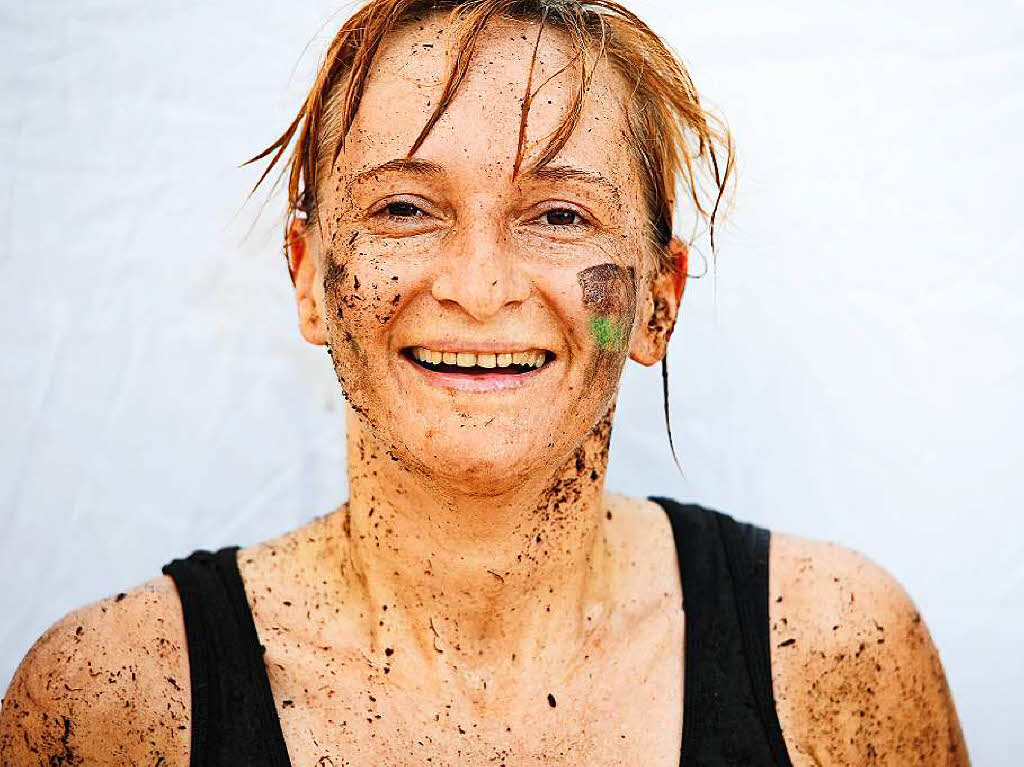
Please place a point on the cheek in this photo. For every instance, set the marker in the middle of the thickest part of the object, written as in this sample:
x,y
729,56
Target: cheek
x,y
362,291
342,298
608,294
361,296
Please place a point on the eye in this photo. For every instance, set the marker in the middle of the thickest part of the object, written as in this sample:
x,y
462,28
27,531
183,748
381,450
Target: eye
x,y
401,209
402,218
563,218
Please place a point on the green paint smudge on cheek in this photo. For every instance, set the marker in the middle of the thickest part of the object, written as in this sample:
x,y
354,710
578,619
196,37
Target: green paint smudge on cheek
x,y
608,332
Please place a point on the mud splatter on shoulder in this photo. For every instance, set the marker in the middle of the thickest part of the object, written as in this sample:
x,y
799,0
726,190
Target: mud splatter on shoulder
x,y
88,677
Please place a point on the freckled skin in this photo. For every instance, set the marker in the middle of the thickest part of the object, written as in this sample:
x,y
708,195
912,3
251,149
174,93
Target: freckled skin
x,y
480,598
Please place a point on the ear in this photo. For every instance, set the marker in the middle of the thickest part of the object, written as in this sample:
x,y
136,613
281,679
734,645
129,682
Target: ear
x,y
305,270
660,307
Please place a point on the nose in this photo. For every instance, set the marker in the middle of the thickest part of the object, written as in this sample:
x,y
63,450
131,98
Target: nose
x,y
480,272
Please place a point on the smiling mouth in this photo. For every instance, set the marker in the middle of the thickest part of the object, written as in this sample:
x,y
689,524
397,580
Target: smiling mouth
x,y
478,363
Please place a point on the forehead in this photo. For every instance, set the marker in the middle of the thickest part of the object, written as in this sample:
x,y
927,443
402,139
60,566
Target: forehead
x,y
479,131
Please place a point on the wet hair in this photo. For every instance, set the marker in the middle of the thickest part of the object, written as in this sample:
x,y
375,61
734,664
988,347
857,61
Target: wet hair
x,y
672,137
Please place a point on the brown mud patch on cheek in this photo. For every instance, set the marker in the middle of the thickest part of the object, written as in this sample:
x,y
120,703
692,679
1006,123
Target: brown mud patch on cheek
x,y
609,294
607,288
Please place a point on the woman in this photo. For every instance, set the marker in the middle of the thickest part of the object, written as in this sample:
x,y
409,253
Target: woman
x,y
481,200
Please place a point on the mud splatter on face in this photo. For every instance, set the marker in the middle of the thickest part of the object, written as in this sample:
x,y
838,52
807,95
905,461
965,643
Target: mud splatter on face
x,y
609,294
346,302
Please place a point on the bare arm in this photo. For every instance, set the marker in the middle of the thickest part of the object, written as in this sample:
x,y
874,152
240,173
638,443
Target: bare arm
x,y
858,680
106,685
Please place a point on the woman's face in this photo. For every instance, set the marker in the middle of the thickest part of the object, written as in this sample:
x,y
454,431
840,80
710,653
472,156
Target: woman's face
x,y
446,256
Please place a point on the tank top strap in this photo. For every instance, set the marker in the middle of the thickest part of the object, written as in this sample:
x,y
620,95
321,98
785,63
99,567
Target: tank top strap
x,y
234,719
729,715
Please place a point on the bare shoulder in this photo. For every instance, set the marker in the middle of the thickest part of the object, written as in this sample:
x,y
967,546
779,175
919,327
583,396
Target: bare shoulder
x,y
856,674
640,529
643,519
107,684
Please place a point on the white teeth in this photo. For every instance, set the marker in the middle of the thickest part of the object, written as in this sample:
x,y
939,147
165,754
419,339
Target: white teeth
x,y
532,358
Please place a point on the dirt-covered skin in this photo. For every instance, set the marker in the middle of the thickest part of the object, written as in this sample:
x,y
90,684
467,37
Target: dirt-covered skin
x,y
480,598
857,678
108,685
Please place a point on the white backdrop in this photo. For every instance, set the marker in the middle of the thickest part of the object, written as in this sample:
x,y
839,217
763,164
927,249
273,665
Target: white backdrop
x,y
854,373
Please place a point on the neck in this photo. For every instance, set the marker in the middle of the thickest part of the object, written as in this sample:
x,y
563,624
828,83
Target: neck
x,y
471,582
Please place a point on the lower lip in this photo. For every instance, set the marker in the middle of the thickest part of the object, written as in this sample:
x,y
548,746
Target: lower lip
x,y
478,382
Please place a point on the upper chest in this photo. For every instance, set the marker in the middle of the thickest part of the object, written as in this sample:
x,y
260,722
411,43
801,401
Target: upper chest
x,y
623,705
611,709
617,701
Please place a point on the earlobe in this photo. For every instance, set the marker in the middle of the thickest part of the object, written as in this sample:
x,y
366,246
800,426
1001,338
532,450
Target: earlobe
x,y
302,264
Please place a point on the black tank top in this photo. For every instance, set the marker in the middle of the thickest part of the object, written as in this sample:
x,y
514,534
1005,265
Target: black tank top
x,y
729,716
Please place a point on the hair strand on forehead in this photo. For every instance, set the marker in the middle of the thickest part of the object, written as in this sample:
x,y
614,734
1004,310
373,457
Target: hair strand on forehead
x,y
528,97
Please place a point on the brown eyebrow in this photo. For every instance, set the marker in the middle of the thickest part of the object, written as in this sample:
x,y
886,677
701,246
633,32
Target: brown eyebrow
x,y
415,167
545,173
570,173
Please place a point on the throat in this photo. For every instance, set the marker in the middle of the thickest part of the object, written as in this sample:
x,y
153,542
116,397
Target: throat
x,y
468,585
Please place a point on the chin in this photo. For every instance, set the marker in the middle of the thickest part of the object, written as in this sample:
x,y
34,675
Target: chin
x,y
484,460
